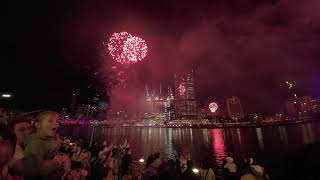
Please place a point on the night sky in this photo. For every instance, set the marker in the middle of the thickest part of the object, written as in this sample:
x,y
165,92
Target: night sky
x,y
247,48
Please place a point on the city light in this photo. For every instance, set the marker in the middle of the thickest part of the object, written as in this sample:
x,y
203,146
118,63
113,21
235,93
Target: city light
x,y
195,170
141,160
6,95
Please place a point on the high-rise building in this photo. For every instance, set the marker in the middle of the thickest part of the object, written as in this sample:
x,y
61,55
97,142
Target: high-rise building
x,y
169,105
234,108
292,107
315,105
73,104
185,102
303,105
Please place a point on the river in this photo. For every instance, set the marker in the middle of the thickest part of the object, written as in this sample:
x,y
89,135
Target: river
x,y
268,145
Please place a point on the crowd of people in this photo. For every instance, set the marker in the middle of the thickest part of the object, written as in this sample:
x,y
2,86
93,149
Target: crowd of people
x,y
36,151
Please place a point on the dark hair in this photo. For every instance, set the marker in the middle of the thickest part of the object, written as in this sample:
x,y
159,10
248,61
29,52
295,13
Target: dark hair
x,y
76,165
7,134
150,160
205,164
20,119
127,150
166,172
157,155
189,164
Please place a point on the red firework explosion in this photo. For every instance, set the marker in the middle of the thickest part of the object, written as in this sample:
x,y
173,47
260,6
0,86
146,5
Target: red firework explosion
x,y
213,107
125,48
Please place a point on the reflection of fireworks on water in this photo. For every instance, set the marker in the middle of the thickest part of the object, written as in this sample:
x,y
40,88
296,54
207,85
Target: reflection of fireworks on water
x,y
213,107
125,48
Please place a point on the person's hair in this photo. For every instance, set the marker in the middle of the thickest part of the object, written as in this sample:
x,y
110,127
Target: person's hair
x,y
205,164
75,165
127,150
133,166
20,119
166,172
157,155
189,164
8,135
44,114
150,160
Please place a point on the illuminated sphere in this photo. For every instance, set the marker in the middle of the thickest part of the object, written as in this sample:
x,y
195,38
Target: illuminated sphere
x,y
213,107
126,48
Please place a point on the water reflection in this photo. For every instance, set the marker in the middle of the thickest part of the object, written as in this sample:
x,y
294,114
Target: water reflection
x,y
283,134
307,134
218,145
260,138
239,136
267,142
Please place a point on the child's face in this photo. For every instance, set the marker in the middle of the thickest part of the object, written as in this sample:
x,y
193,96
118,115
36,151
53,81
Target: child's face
x,y
49,125
22,131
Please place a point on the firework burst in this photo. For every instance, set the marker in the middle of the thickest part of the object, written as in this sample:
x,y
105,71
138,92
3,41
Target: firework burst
x,y
125,48
213,107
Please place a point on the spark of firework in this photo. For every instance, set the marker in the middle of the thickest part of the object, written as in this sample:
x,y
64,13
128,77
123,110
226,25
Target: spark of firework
x,y
135,49
213,107
125,48
116,44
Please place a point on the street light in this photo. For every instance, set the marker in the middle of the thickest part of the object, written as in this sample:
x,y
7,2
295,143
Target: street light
x,y
195,170
6,95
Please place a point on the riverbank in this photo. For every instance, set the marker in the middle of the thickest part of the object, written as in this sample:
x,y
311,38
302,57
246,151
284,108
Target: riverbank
x,y
194,125
235,125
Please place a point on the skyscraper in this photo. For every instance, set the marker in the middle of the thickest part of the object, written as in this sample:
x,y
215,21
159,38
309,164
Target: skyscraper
x,y
234,108
305,104
185,102
73,104
315,105
302,105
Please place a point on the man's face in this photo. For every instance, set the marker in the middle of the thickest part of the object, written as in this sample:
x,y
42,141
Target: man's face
x,y
22,131
6,151
49,125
